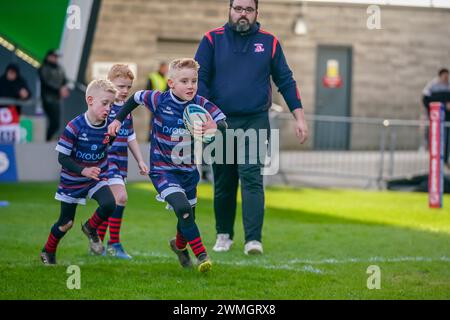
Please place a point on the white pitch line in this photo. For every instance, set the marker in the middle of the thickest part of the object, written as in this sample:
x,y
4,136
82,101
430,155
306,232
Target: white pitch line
x,y
308,263
266,265
291,265
242,263
368,260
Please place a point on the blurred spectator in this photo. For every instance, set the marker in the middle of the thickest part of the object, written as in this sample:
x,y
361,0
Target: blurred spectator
x,y
12,86
158,80
53,89
438,90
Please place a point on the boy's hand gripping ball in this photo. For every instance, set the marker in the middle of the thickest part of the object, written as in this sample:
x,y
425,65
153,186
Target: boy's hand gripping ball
x,y
196,115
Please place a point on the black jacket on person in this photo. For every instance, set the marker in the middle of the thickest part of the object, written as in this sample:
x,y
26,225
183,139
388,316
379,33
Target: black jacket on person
x,y
10,89
436,91
443,97
52,78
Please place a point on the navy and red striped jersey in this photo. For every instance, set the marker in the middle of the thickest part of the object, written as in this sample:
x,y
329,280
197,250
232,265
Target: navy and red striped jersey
x,y
87,145
168,131
118,153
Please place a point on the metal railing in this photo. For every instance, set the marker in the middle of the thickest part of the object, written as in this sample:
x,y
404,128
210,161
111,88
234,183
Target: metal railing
x,y
352,151
23,103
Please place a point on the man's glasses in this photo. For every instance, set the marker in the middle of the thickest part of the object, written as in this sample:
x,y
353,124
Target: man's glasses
x,y
247,10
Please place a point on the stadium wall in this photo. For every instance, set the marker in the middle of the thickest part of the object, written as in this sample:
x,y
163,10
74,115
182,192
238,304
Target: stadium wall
x,y
390,66
38,162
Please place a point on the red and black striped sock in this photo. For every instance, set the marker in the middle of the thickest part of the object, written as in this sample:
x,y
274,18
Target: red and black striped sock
x,y
180,242
95,221
115,222
102,230
197,246
114,230
192,235
53,239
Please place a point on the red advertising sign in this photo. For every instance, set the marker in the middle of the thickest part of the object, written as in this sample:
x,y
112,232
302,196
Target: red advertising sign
x,y
436,145
9,125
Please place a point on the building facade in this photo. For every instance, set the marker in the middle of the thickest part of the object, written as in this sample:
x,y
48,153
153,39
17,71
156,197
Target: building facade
x,y
376,73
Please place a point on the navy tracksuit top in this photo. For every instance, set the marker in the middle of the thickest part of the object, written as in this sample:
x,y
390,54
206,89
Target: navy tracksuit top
x,y
235,71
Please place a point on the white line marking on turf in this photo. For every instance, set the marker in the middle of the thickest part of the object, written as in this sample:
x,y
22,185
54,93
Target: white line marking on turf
x,y
266,265
308,263
242,263
285,265
369,260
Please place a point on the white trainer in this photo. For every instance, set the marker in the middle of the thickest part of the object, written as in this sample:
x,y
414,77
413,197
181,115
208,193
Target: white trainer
x,y
223,242
253,247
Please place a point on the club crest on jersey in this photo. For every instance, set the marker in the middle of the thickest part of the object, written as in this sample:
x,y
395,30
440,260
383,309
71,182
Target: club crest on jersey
x,y
84,137
168,110
259,47
107,139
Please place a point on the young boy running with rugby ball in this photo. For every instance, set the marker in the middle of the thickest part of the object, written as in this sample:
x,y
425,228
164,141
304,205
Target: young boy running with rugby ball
x,y
176,179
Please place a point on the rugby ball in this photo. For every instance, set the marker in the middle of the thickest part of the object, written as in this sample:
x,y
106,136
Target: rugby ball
x,y
194,114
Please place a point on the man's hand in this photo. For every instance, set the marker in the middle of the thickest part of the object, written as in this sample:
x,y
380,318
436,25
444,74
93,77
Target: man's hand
x,y
301,128
143,169
448,106
23,94
114,127
91,172
64,92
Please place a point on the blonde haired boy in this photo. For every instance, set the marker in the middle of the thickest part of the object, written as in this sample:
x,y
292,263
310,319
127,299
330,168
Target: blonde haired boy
x,y
176,178
83,155
122,78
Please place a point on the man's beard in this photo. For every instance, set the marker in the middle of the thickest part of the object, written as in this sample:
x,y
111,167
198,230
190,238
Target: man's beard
x,y
241,27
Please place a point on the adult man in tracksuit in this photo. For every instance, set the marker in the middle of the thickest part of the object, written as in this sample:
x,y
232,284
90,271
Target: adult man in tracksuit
x,y
236,63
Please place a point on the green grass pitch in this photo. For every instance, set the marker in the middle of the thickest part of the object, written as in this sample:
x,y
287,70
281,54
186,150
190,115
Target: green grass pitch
x,y
318,245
